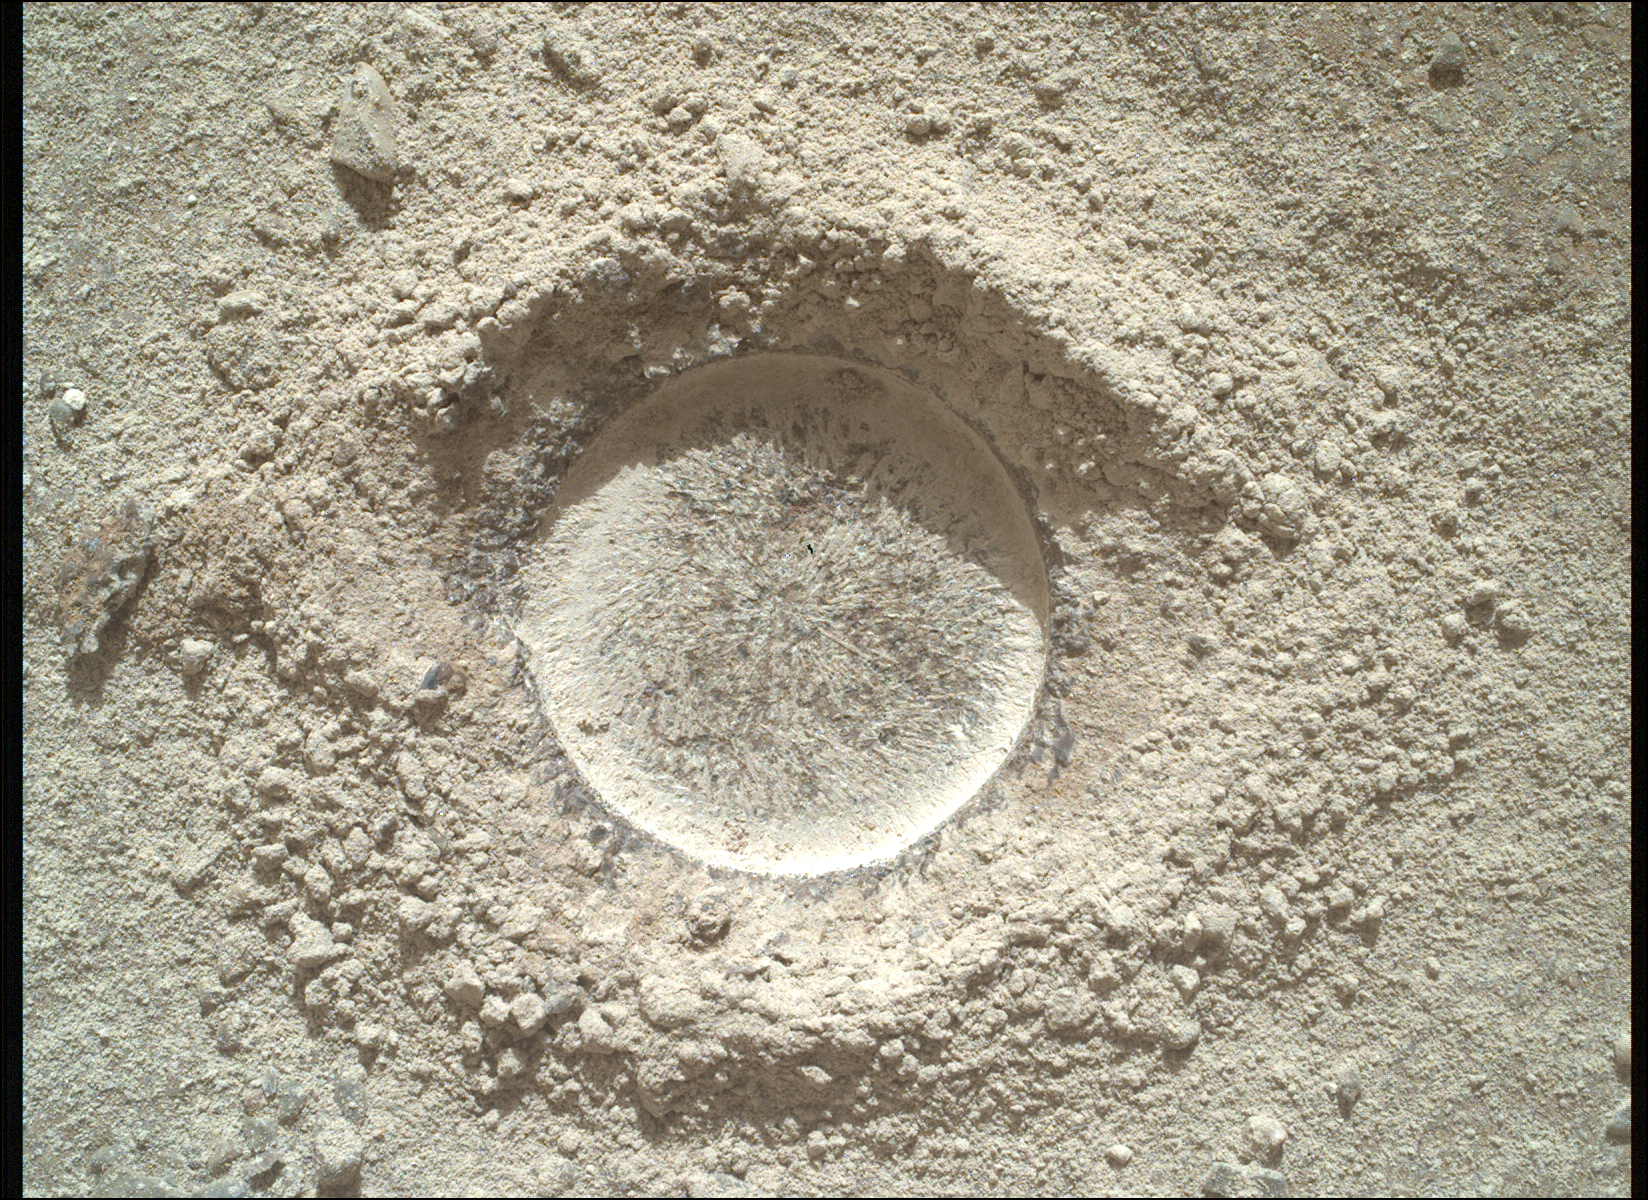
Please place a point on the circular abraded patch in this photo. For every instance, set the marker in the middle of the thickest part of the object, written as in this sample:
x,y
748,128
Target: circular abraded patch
x,y
788,614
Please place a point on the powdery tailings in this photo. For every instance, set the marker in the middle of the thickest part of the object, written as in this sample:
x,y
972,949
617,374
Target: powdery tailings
x,y
1301,339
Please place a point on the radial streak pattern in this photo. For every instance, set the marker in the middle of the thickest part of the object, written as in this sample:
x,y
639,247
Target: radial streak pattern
x,y
788,626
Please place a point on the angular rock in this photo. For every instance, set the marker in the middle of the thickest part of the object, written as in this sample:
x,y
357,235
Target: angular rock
x,y
312,944
465,988
1234,1179
338,1153
1450,54
1069,1009
365,136
99,576
529,1012
193,655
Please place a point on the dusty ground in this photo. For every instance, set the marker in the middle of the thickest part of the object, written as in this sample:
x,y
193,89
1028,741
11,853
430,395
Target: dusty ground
x,y
1304,333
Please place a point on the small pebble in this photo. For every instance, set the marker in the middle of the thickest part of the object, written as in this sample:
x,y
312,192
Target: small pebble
x,y
62,418
1183,1035
231,1189
1482,591
1347,1086
1622,1055
1233,1179
223,1152
289,1107
562,999
438,316
99,574
517,191
1218,924
464,986
1618,1128
244,302
1514,621
312,945
494,1010
261,445
362,685
349,1093
1265,1137
1119,1155
1273,903
556,1176
102,1159
444,676
1566,219
338,1152
512,1063
1449,55
193,656
265,1166
364,135
530,1012
708,917
1433,968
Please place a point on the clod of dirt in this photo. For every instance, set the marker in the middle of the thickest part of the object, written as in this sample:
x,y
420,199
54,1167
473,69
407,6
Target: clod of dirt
x,y
194,655
571,58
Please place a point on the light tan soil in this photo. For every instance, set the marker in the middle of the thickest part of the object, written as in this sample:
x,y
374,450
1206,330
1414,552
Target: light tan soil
x,y
1303,333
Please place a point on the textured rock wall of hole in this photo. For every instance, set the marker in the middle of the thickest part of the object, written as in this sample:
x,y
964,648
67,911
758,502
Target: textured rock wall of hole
x,y
561,359
1087,441
1082,427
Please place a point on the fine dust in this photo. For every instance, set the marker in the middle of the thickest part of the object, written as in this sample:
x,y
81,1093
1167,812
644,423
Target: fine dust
x,y
1298,338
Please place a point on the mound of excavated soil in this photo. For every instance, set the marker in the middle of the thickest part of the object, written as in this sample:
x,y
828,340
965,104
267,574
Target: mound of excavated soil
x,y
690,599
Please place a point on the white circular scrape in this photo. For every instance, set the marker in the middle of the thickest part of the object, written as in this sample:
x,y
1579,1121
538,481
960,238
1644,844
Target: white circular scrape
x,y
788,614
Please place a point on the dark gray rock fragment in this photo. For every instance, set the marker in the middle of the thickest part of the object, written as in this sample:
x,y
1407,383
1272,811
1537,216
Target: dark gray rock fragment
x,y
1235,1179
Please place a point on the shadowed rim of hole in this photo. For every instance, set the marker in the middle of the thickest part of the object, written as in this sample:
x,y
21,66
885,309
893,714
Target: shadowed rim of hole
x,y
787,614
